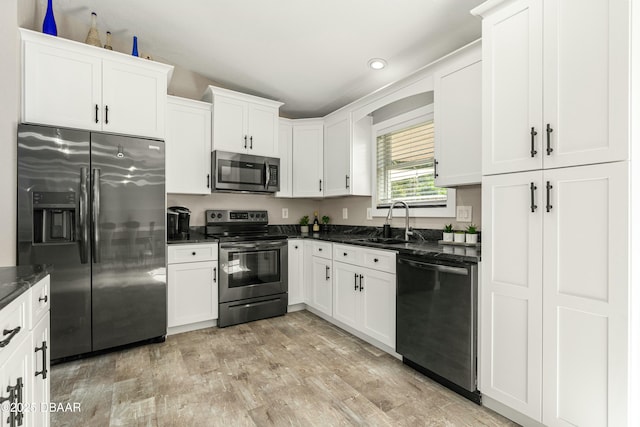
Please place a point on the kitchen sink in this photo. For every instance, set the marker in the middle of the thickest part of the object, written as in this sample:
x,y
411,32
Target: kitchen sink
x,y
383,240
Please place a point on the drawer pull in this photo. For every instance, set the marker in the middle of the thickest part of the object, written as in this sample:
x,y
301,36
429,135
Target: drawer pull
x,y
344,254
45,299
193,253
44,360
319,249
12,333
375,260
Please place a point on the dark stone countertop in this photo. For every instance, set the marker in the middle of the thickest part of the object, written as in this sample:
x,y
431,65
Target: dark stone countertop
x,y
429,247
422,244
196,235
14,281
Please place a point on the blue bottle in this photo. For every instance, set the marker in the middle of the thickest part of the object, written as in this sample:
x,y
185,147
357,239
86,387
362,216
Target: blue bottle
x,y
134,52
49,23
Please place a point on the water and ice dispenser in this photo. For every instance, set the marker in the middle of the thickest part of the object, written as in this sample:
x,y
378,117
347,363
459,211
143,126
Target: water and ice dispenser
x,y
54,217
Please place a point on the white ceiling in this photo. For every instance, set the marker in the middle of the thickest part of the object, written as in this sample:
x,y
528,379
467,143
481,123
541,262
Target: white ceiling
x,y
310,54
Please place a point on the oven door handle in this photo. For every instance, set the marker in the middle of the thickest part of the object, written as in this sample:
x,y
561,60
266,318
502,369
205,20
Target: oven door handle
x,y
254,245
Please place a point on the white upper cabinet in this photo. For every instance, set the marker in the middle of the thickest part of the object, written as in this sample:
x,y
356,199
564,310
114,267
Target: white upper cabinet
x,y
347,151
71,84
243,123
538,50
307,159
188,146
458,120
285,148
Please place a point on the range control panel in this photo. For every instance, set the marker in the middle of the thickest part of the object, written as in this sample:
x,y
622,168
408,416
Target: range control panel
x,y
235,217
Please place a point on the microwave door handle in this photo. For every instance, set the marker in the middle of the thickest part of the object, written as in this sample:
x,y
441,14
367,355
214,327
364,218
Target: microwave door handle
x,y
267,175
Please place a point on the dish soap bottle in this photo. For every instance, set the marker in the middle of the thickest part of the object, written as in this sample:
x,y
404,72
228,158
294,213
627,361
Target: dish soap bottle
x,y
316,224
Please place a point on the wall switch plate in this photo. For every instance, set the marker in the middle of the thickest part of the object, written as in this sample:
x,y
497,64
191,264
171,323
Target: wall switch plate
x,y
369,216
463,213
345,213
285,213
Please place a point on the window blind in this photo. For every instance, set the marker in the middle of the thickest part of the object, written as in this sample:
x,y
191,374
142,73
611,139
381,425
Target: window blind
x,y
405,167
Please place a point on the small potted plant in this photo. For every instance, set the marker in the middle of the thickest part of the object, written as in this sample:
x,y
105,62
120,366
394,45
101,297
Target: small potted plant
x,y
325,224
458,236
447,233
304,224
472,234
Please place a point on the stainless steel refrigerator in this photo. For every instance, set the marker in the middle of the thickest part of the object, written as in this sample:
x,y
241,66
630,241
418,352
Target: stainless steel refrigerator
x,y
93,206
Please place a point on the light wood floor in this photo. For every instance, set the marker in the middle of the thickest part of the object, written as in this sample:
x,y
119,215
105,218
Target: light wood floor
x,y
294,370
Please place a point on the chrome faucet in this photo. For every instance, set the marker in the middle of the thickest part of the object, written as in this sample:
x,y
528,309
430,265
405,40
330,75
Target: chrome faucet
x,y
407,229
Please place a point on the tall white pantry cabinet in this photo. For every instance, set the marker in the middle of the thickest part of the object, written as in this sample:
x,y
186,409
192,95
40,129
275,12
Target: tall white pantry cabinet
x,y
559,334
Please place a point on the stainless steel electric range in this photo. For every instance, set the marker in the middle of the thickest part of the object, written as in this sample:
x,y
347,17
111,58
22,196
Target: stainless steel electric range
x,y
253,266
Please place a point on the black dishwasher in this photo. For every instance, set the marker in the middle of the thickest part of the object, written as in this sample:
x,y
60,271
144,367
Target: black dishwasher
x,y
436,320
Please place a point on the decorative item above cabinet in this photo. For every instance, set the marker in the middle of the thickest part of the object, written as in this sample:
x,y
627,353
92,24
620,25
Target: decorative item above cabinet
x,y
71,84
243,123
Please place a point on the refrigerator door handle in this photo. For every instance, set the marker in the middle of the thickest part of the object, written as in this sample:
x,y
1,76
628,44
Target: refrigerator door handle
x,y
96,215
84,211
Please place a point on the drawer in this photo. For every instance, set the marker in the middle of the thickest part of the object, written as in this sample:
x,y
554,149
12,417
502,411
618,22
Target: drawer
x,y
322,249
40,300
192,253
348,253
12,317
379,260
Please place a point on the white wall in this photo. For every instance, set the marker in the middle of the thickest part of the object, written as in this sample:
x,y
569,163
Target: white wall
x,y
9,113
357,211
198,204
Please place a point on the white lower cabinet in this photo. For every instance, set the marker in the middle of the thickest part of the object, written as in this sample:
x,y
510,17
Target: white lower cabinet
x,y
555,294
296,272
365,298
321,288
317,266
192,286
24,358
40,339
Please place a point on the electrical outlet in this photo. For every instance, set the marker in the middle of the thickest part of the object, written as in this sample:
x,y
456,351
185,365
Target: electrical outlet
x,y
369,216
285,213
345,213
463,213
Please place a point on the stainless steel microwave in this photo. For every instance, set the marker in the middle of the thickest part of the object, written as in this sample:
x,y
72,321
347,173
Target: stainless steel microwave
x,y
244,172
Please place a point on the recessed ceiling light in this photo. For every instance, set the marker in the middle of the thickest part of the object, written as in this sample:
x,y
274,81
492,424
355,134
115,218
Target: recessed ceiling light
x,y
377,63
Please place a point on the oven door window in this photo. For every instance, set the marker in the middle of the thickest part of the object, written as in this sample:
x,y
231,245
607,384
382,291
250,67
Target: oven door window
x,y
253,268
234,172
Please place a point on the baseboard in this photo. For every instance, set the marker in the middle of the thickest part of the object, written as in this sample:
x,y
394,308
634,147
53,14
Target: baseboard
x,y
192,327
296,307
508,412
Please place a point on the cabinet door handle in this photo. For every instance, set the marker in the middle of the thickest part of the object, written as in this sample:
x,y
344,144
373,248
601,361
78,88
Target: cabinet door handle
x,y
208,180
533,189
12,333
549,187
355,281
45,299
215,274
251,143
106,114
533,142
549,130
44,360
326,272
435,168
245,141
361,277
347,181
295,247
320,185
97,113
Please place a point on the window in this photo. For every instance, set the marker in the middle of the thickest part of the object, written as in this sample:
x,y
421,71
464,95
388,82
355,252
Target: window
x,y
404,164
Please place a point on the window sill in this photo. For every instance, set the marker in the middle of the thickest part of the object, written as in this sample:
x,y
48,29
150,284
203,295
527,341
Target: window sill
x,y
448,211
